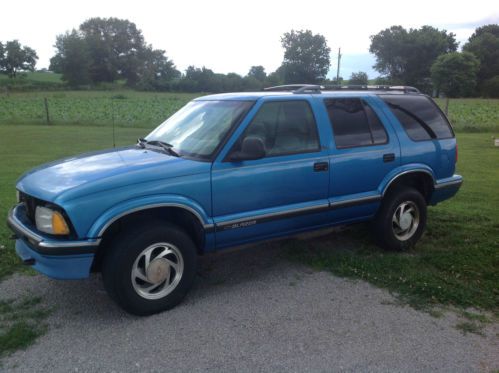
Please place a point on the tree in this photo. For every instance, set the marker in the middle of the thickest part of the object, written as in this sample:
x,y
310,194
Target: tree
x,y
115,46
157,71
484,44
490,87
257,72
306,57
14,58
359,78
108,49
455,73
406,56
72,59
2,54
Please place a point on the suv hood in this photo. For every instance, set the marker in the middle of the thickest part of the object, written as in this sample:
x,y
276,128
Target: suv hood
x,y
104,170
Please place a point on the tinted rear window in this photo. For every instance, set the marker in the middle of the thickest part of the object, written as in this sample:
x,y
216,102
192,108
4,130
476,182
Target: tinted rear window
x,y
354,123
420,117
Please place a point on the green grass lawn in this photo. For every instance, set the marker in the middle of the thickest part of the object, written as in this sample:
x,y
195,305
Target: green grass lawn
x,y
455,263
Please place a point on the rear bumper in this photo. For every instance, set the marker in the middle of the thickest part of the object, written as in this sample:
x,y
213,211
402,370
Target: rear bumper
x,y
446,188
56,258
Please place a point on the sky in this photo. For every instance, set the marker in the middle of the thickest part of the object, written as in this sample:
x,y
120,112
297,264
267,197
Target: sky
x,y
231,36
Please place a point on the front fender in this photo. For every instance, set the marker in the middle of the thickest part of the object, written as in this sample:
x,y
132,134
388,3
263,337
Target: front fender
x,y
149,202
403,170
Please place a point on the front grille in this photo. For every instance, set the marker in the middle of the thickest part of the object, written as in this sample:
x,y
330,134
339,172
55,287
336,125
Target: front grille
x,y
30,203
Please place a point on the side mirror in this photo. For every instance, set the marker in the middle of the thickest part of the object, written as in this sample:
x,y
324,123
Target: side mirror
x,y
251,148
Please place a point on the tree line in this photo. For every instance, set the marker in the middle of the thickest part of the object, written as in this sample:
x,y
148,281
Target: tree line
x,y
107,50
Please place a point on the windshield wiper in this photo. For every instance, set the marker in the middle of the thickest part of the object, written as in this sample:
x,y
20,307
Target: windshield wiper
x,y
158,143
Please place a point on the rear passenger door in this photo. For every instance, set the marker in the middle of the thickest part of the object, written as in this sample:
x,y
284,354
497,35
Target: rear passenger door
x,y
364,151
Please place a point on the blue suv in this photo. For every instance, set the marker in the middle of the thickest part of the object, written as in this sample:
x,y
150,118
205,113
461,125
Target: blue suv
x,y
231,169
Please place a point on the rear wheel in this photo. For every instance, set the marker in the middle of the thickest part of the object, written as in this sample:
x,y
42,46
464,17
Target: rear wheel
x,y
150,269
401,220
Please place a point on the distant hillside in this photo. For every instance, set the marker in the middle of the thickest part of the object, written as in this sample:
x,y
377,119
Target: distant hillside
x,y
28,81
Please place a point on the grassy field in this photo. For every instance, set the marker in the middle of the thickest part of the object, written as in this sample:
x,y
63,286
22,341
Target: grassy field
x,y
35,76
456,262
148,109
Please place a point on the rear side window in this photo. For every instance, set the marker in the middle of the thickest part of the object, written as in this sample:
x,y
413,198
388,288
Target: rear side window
x,y
420,117
354,123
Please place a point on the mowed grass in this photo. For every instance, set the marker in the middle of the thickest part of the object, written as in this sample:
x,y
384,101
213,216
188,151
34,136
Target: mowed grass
x,y
91,108
24,147
456,262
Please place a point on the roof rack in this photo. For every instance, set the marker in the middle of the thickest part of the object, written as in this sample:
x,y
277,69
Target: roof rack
x,y
295,88
314,88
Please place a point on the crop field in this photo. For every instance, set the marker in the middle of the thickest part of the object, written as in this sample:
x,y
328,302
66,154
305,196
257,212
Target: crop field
x,y
147,109
473,114
126,109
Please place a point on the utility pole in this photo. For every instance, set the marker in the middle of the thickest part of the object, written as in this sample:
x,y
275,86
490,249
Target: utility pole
x,y
338,67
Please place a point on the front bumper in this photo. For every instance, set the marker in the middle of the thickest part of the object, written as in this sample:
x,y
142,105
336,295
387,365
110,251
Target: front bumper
x,y
57,258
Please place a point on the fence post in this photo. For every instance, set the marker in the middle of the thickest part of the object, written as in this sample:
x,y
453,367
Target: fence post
x,y
446,106
47,110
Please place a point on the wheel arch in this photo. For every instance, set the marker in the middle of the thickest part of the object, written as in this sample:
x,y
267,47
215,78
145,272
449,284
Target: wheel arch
x,y
419,178
186,217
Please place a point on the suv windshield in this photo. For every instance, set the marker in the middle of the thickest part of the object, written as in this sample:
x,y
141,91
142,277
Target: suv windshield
x,y
199,127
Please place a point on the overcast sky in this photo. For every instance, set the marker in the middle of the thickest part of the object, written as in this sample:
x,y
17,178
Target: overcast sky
x,y
231,36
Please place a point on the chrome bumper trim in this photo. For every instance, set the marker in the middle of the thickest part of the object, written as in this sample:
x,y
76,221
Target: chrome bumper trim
x,y
46,246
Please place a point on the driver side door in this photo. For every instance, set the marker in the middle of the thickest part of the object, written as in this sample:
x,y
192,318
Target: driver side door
x,y
283,192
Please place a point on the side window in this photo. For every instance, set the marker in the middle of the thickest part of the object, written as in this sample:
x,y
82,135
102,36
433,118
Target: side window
x,y
285,127
354,123
420,117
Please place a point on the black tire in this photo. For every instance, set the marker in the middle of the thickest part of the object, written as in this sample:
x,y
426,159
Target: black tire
x,y
122,254
387,233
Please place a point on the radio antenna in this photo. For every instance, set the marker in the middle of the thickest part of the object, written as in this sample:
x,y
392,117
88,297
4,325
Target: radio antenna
x,y
112,110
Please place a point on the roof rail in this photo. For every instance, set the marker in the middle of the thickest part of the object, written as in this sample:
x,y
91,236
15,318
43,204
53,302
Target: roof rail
x,y
314,88
295,88
402,88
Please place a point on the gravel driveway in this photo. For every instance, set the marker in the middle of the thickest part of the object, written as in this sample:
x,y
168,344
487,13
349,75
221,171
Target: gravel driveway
x,y
250,310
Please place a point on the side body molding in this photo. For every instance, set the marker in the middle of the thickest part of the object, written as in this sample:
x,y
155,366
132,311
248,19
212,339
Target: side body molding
x,y
146,203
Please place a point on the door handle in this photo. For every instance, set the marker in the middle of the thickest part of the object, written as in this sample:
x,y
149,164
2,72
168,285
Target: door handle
x,y
321,166
390,157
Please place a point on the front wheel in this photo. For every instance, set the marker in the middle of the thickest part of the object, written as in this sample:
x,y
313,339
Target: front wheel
x,y
150,269
401,220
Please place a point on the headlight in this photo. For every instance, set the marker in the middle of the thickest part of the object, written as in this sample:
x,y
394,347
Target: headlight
x,y
50,221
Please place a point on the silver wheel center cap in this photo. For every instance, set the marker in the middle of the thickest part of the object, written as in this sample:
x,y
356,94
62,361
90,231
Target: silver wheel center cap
x,y
405,221
158,270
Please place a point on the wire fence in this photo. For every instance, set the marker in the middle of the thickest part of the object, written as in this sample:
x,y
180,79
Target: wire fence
x,y
147,110
86,110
